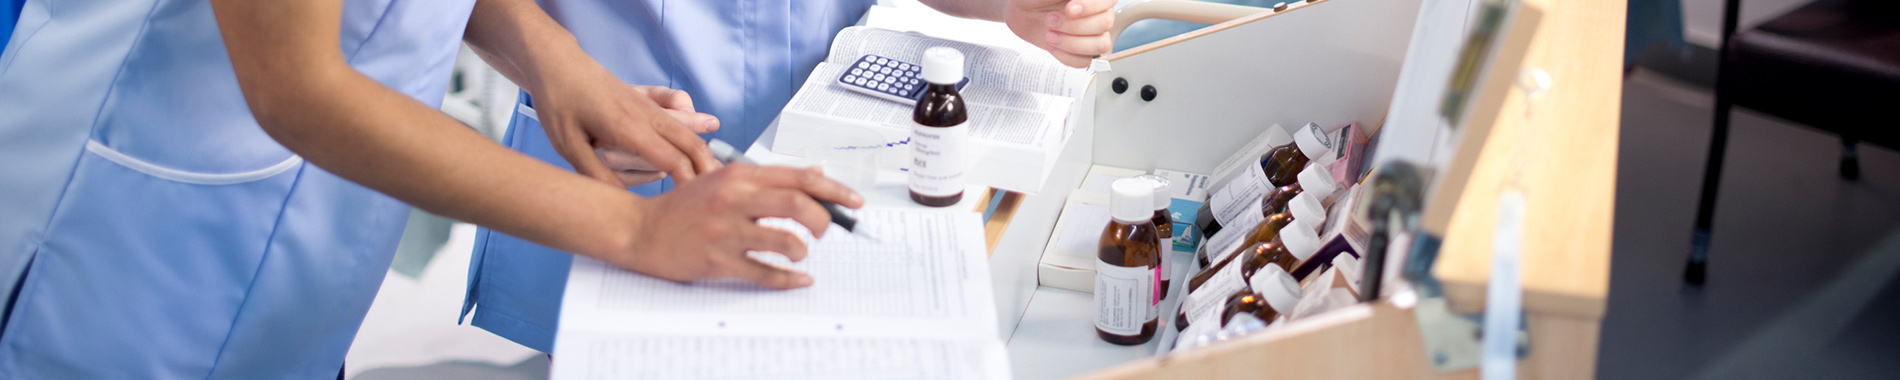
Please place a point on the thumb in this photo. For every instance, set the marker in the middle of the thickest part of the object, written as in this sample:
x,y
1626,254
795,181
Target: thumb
x,y
699,123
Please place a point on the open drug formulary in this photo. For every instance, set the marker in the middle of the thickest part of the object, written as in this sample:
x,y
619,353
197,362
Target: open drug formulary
x,y
915,304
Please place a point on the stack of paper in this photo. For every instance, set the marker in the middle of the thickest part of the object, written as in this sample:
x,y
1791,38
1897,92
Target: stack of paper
x,y
914,305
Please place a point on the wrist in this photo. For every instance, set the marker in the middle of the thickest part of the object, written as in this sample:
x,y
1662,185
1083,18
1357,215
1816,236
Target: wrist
x,y
614,234
562,66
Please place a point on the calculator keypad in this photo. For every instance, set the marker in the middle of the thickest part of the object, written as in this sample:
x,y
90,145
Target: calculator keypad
x,y
886,75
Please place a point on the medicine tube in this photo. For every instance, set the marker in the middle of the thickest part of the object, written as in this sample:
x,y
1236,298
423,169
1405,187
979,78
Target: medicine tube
x,y
938,135
1164,227
1127,285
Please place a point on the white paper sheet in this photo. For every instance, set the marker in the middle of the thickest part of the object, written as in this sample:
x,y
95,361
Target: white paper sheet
x,y
915,305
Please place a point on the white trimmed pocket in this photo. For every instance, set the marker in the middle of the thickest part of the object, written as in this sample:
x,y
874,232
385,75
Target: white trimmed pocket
x,y
191,177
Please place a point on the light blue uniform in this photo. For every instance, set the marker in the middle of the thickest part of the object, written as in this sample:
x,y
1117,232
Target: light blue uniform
x,y
740,60
150,229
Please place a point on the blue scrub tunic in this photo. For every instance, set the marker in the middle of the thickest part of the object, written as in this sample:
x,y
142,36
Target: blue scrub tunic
x,y
149,228
740,60
9,13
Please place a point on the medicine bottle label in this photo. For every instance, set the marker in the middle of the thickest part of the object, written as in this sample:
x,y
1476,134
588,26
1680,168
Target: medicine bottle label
x,y
938,159
1231,237
1210,297
1124,297
1231,202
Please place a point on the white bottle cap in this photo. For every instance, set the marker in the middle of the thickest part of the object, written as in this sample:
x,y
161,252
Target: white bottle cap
x,y
1299,242
1278,287
1312,140
1306,208
1161,195
1316,180
1131,200
1302,223
943,65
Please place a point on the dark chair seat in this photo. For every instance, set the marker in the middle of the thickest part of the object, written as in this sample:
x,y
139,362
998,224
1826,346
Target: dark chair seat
x,y
1831,64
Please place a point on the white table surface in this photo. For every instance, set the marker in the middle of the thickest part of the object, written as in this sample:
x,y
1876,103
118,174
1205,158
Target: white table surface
x,y
1049,332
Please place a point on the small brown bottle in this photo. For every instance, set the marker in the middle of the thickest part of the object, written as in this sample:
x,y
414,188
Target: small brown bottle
x,y
938,139
1273,203
1282,164
1269,230
1206,296
1164,227
1127,286
1287,252
1273,293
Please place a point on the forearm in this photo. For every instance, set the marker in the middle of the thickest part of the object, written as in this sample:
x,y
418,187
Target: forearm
x,y
991,10
354,127
303,93
525,45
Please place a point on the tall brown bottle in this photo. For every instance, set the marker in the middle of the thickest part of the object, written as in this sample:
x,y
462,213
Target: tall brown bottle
x,y
1127,285
938,137
1164,227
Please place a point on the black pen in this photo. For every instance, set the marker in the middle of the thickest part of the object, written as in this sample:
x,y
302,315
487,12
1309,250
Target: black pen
x,y
726,153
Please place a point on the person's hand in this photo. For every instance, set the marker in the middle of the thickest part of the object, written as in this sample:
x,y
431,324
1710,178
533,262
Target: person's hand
x,y
626,135
634,170
1074,31
703,229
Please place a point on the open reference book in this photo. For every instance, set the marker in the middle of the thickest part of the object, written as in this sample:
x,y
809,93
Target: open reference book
x,y
916,304
1019,106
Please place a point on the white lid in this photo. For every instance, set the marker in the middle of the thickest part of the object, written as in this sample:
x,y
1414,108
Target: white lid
x,y
1302,223
1312,140
1130,200
943,65
1317,180
1161,195
1300,242
1278,287
1306,207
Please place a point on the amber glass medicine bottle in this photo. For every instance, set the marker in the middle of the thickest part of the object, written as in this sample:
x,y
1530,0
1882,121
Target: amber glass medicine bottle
x,y
1274,294
1164,227
1127,286
1283,163
938,142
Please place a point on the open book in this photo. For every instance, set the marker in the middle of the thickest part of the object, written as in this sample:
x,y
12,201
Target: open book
x,y
1019,106
914,305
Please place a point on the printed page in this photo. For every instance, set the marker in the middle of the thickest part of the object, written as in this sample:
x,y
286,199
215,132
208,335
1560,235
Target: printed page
x,y
924,285
626,356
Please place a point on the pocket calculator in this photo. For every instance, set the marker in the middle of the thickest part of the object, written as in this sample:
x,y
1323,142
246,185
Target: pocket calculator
x,y
888,79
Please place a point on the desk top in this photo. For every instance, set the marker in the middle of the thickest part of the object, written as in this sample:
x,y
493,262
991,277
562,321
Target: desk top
x,y
1569,169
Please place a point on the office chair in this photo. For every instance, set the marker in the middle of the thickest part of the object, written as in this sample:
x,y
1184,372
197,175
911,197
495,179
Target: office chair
x,y
1830,64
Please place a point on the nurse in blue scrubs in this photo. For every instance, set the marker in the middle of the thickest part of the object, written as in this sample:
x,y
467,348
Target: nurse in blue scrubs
x,y
741,61
214,189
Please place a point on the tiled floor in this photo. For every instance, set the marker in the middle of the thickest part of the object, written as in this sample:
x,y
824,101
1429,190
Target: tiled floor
x,y
1787,228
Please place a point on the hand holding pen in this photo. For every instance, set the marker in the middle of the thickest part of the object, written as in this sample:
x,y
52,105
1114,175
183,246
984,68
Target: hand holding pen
x,y
726,153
